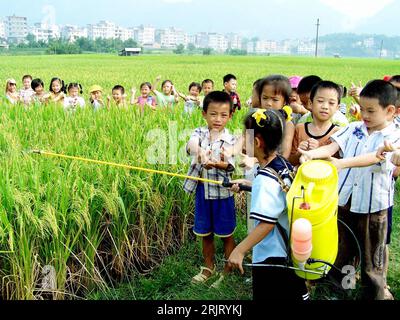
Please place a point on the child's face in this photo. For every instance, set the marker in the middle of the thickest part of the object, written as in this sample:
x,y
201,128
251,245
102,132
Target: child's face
x,y
56,86
255,99
306,101
96,95
194,92
294,97
374,115
325,104
39,90
12,87
73,92
145,91
270,99
27,83
167,88
231,86
117,95
217,116
208,88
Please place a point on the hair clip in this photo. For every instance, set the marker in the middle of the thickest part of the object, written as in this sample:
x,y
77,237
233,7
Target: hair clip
x,y
288,112
260,115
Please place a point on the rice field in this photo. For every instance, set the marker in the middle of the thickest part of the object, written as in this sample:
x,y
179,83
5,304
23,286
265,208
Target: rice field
x,y
68,228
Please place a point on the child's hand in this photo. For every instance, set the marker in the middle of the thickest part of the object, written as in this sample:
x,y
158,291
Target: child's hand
x,y
313,144
236,260
236,185
108,98
209,165
203,156
247,163
304,145
388,147
305,156
354,109
355,91
336,162
158,78
396,158
133,91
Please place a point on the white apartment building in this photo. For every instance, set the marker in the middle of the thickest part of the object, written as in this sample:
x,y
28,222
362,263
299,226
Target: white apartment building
x,y
103,30
16,28
123,33
218,42
44,32
262,47
201,40
71,33
145,35
235,41
2,30
170,38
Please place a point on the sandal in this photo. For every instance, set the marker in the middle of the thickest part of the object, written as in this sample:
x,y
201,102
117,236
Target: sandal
x,y
217,284
201,277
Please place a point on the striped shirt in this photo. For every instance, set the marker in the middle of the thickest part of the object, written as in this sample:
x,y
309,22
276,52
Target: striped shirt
x,y
371,189
212,191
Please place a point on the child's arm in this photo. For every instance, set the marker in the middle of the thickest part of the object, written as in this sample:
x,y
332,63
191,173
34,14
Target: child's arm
x,y
365,160
155,84
108,102
175,93
324,152
288,140
255,237
133,97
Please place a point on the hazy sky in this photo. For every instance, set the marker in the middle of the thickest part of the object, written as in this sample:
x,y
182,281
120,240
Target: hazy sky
x,y
272,19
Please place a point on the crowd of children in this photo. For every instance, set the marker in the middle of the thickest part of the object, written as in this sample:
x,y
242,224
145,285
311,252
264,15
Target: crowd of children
x,y
292,120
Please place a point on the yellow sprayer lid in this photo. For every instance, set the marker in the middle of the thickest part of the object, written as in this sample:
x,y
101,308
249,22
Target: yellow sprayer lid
x,y
317,171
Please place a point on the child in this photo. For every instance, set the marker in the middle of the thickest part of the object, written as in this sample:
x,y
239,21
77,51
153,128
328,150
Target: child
x,y
145,99
96,98
118,97
57,90
11,91
168,97
193,99
274,93
207,86
325,98
295,103
269,210
230,87
26,93
366,187
40,96
73,100
395,80
215,207
254,101
304,91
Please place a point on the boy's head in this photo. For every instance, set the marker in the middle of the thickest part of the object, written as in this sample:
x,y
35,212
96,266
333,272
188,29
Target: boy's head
x,y
145,89
217,110
230,83
195,89
325,99
378,104
37,85
395,80
118,92
304,90
207,86
27,80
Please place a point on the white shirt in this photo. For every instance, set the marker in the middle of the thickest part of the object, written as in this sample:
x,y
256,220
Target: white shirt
x,y
71,103
26,95
371,188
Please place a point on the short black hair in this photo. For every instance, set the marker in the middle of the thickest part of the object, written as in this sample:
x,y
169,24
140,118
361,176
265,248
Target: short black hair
x,y
146,84
165,82
326,85
217,97
271,130
229,77
395,79
197,85
280,83
386,93
27,76
207,81
36,83
307,83
119,87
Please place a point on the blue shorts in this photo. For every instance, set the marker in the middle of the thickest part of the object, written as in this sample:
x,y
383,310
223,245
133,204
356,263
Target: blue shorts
x,y
216,217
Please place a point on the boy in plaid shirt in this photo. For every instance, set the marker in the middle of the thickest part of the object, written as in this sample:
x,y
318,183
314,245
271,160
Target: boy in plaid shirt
x,y
215,207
